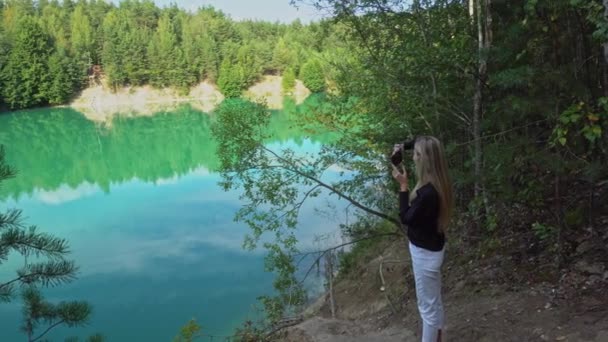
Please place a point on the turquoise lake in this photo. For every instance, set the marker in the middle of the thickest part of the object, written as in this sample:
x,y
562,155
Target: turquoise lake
x,y
148,225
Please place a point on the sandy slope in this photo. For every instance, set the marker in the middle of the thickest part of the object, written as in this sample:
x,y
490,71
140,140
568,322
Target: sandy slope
x,y
270,91
100,104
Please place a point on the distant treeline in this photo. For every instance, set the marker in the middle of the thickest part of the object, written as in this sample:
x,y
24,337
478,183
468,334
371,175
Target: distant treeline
x,y
50,50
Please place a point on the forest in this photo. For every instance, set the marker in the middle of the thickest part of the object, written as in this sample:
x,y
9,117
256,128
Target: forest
x,y
517,90
50,50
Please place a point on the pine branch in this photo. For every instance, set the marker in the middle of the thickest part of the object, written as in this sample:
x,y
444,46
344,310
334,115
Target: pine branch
x,y
51,273
10,219
30,242
6,292
46,331
36,309
74,313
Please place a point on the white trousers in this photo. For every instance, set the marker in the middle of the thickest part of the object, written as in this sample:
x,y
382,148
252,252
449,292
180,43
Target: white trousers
x,y
427,274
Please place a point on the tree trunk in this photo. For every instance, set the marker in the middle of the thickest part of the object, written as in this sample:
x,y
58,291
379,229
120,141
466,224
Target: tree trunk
x,y
481,71
605,85
606,43
329,269
471,8
484,36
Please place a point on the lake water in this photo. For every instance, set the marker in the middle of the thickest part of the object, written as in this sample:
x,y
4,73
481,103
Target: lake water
x,y
147,223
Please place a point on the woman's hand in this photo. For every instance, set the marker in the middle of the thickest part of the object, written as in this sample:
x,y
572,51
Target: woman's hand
x,y
400,177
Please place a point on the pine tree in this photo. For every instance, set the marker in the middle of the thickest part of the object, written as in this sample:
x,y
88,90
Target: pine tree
x,y
25,76
250,65
231,79
82,38
209,57
190,50
17,238
114,29
161,53
289,81
283,57
312,76
65,77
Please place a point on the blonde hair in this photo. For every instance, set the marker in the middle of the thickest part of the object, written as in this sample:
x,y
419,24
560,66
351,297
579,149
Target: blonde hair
x,y
432,167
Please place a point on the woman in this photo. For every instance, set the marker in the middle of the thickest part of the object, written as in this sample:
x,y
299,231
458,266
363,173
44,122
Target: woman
x,y
426,211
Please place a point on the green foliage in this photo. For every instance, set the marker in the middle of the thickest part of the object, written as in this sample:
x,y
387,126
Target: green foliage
x,y
65,77
136,43
291,295
231,80
363,251
162,54
92,338
543,232
25,77
248,59
249,332
595,15
82,39
95,338
580,121
575,217
312,76
289,81
270,182
189,332
37,311
283,56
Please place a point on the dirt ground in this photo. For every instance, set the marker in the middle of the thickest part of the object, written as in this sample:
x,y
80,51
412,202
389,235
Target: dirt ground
x,y
515,296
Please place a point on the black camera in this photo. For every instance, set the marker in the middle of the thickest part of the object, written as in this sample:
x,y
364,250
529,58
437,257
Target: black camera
x,y
397,156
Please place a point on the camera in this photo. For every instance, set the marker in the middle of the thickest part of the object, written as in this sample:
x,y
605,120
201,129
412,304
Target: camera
x,y
397,156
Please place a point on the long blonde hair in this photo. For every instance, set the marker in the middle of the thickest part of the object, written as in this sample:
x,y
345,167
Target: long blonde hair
x,y
432,167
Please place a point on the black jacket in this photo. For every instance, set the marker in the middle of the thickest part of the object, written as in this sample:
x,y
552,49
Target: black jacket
x,y
422,218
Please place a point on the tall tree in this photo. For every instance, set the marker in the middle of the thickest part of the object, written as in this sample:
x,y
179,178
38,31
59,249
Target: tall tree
x,y
65,77
283,56
312,76
606,19
484,42
209,57
25,77
162,53
231,79
114,48
82,42
55,21
289,80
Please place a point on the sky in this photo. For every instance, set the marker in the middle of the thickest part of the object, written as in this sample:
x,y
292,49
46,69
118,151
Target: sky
x,y
266,10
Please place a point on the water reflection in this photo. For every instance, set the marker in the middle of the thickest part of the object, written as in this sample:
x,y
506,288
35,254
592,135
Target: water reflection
x,y
148,225
58,147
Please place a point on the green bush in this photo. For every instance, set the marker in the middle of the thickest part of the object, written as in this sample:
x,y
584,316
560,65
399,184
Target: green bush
x,y
312,76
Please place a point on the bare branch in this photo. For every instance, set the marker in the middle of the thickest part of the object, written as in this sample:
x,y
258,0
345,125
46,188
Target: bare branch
x,y
334,190
322,253
47,330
